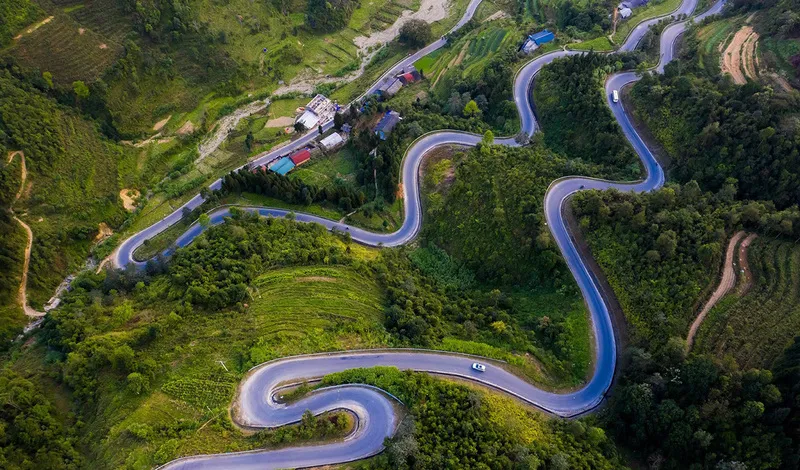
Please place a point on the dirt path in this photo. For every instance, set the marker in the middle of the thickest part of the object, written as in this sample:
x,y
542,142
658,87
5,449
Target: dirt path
x,y
22,295
727,282
739,54
744,267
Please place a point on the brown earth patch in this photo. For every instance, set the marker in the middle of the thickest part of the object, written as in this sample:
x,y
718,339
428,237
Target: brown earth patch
x,y
128,196
103,232
186,128
738,58
160,124
283,121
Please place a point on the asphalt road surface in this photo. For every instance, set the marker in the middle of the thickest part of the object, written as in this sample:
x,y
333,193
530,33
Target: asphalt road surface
x,y
373,409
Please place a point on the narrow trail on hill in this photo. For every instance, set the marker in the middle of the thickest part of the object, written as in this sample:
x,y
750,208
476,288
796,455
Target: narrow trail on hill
x,y
22,294
726,283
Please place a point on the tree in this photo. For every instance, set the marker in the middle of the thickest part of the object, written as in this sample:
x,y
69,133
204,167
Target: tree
x,y
137,383
319,128
299,127
48,78
81,91
204,220
338,121
471,109
415,33
248,141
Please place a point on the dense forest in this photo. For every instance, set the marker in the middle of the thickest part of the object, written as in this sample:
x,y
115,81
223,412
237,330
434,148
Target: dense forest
x,y
262,181
573,113
16,15
493,213
720,134
661,250
325,15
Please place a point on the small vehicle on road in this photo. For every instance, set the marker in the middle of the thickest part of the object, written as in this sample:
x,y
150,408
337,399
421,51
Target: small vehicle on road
x,y
615,96
479,367
582,186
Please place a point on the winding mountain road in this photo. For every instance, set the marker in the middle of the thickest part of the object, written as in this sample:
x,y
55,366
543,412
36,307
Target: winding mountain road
x,y
254,405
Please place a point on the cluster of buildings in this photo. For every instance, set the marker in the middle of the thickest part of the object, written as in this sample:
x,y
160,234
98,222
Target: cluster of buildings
x,y
318,111
393,84
533,41
625,9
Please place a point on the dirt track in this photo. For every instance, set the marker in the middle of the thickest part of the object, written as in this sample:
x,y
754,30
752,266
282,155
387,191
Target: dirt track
x,y
726,283
744,266
22,295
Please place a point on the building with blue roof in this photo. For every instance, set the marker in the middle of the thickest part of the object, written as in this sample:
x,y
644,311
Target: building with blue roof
x,y
284,165
537,39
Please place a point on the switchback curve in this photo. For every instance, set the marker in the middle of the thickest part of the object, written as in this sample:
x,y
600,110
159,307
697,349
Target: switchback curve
x,y
255,405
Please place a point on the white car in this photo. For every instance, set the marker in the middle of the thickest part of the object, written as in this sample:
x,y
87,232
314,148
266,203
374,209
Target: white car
x,y
479,367
615,96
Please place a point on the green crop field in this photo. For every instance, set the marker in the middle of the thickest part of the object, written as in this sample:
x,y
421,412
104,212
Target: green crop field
x,y
324,170
756,327
713,38
319,308
776,53
598,44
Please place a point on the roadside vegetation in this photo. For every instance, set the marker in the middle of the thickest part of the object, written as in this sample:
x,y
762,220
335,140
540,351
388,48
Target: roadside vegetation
x,y
485,430
575,119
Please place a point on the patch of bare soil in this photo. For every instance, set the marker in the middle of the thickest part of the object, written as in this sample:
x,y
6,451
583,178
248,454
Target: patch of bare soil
x,y
726,282
186,128
81,31
737,59
103,232
283,121
160,124
128,196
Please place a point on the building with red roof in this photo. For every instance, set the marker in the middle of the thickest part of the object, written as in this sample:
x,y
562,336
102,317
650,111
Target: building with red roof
x,y
300,157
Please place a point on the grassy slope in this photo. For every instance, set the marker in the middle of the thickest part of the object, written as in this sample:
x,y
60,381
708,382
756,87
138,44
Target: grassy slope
x,y
756,327
294,310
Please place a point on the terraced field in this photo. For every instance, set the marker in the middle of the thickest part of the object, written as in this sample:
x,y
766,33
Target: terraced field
x,y
754,327
315,308
67,49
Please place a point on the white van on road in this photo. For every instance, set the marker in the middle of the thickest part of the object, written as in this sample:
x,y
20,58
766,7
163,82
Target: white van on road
x,y
615,96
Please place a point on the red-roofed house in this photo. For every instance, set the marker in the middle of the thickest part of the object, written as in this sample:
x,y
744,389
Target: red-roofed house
x,y
298,158
409,77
